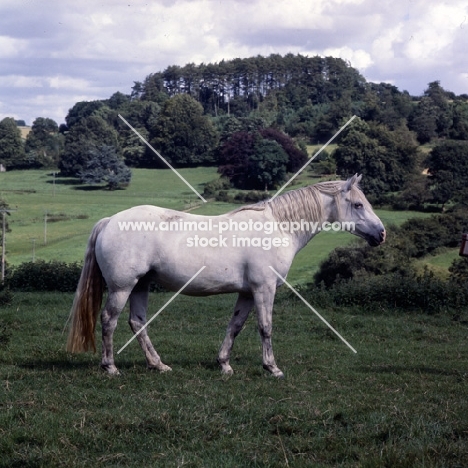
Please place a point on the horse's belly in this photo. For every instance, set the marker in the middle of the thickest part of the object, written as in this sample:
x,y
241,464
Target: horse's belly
x,y
208,280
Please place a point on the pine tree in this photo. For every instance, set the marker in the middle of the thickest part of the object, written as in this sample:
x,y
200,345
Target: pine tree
x,y
104,165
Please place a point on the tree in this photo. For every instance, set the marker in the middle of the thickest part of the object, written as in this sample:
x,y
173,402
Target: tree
x,y
86,135
267,165
12,154
105,165
447,166
296,157
387,159
234,156
182,134
250,161
459,130
80,110
44,143
423,120
142,116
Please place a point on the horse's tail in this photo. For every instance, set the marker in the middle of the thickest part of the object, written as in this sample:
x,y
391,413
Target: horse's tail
x,y
88,299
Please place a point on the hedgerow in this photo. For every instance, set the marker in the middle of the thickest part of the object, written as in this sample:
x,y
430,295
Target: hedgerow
x,y
45,276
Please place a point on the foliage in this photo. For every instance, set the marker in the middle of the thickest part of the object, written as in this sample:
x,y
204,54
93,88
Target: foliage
x,y
365,276
45,276
403,290
12,154
385,158
266,166
104,165
44,143
259,159
234,156
447,166
6,296
459,271
84,137
211,188
415,238
297,157
420,237
237,87
385,104
345,263
182,134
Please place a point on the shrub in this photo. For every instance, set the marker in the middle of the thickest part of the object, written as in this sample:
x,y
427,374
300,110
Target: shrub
x,y
211,188
404,291
5,297
45,276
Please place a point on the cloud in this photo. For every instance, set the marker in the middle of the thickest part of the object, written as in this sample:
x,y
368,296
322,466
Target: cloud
x,y
54,53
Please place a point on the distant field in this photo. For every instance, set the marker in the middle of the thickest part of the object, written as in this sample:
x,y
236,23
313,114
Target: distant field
x,y
73,209
32,193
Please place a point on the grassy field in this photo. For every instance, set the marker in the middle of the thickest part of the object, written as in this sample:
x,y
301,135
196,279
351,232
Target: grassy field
x,y
401,401
73,209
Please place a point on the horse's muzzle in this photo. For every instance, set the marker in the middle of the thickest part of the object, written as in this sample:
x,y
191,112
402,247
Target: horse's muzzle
x,y
374,241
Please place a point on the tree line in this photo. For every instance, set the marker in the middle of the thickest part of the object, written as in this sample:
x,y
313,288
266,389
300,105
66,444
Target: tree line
x,y
252,118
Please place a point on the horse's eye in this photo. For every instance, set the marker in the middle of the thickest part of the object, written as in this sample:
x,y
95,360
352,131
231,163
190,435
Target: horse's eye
x,y
358,205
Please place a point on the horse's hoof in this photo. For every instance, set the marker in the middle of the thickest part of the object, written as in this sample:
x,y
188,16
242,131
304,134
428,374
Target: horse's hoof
x,y
110,369
160,367
275,371
227,371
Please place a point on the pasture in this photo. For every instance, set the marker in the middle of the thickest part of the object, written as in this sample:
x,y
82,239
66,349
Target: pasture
x,y
73,209
401,401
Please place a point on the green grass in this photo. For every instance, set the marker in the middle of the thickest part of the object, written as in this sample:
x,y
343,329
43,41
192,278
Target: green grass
x,y
399,402
440,261
33,194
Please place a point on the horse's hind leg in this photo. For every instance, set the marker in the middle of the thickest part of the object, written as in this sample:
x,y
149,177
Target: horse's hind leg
x,y
138,308
115,303
242,308
264,298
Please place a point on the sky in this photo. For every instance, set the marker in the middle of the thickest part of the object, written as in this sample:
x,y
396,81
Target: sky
x,y
56,53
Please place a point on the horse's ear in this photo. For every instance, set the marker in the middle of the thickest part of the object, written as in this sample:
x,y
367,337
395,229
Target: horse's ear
x,y
355,179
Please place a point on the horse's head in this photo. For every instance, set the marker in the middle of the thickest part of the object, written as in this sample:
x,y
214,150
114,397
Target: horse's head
x,y
357,211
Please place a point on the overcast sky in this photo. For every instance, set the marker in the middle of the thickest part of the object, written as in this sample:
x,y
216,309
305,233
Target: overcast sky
x,y
56,53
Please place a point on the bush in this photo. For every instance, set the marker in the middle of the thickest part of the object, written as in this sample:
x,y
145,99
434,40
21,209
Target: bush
x,y
459,271
252,196
5,297
45,276
213,187
424,292
344,263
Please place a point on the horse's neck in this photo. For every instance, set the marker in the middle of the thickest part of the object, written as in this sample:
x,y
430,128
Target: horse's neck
x,y
329,214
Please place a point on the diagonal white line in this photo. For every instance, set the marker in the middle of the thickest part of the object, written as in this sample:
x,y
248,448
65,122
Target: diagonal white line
x,y
162,159
161,309
312,158
313,310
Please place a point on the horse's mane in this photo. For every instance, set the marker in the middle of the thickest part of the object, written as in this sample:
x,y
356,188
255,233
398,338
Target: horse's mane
x,y
304,203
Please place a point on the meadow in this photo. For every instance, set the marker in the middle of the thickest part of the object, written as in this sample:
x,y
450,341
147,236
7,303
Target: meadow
x,y
55,215
401,401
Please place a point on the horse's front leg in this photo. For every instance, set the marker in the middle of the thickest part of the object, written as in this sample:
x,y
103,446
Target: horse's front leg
x,y
264,298
137,321
242,309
